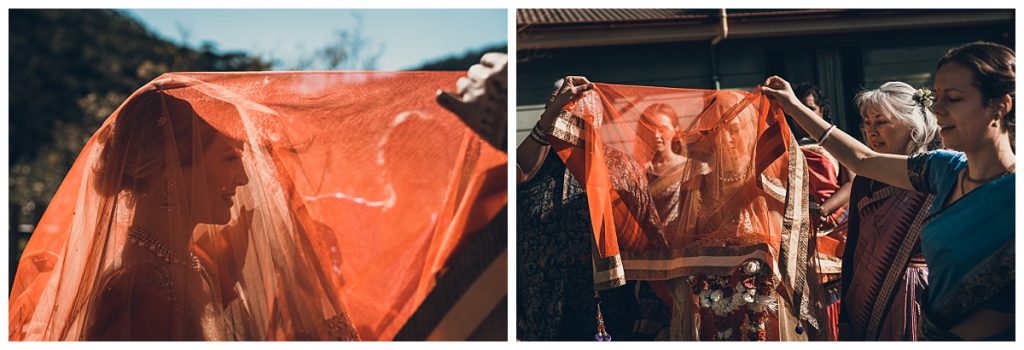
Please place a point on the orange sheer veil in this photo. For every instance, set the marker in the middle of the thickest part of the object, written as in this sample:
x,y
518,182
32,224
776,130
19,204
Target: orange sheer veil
x,y
258,206
738,193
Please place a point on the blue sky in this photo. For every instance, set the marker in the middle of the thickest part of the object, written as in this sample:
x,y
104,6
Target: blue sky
x,y
410,37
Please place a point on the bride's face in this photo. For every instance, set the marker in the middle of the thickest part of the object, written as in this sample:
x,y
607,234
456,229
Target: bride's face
x,y
735,144
223,172
736,136
658,131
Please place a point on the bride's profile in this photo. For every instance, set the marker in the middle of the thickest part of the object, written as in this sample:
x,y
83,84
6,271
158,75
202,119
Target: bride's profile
x,y
171,185
258,206
164,235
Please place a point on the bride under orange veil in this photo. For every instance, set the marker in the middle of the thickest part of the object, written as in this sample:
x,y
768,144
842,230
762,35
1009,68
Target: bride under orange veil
x,y
732,244
258,206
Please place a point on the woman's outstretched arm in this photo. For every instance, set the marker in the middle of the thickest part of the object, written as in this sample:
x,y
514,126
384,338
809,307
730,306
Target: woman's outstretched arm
x,y
887,168
531,153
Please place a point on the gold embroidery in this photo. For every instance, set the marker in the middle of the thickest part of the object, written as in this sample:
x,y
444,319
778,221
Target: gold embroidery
x,y
568,127
340,327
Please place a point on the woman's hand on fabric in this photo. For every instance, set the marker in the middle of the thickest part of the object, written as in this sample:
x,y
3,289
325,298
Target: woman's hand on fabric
x,y
487,79
781,91
571,87
481,98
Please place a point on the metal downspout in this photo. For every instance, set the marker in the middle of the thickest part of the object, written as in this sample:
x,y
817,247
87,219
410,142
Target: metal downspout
x,y
722,34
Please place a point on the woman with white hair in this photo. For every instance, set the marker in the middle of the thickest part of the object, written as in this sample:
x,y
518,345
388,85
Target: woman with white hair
x,y
883,270
968,237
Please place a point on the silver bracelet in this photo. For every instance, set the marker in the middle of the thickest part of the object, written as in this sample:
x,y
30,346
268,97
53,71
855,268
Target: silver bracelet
x,y
825,136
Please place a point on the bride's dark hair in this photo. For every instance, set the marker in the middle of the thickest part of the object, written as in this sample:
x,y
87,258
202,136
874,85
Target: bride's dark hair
x,y
136,145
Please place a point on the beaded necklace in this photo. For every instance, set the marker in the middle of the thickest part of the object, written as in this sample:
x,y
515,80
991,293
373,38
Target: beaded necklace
x,y
143,239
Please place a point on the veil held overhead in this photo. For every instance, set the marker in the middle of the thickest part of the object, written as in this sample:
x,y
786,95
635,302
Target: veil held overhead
x,y
258,206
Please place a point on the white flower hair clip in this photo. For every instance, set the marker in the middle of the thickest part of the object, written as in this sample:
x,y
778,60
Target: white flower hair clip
x,y
924,97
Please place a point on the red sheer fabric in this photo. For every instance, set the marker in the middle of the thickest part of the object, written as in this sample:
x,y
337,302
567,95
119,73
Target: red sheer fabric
x,y
724,181
258,206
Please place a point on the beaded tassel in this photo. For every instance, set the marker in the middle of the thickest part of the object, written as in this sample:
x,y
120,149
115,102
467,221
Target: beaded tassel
x,y
602,334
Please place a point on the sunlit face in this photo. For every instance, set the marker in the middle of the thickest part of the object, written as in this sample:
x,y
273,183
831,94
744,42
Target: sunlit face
x,y
736,136
664,131
812,103
223,171
885,134
964,120
735,143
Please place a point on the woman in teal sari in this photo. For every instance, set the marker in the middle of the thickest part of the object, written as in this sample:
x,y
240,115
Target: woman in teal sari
x,y
968,237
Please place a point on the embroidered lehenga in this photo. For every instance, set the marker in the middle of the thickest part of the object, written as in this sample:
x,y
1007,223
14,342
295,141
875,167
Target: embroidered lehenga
x,y
734,250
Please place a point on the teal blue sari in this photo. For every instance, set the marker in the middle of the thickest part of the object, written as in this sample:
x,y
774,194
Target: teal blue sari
x,y
968,244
